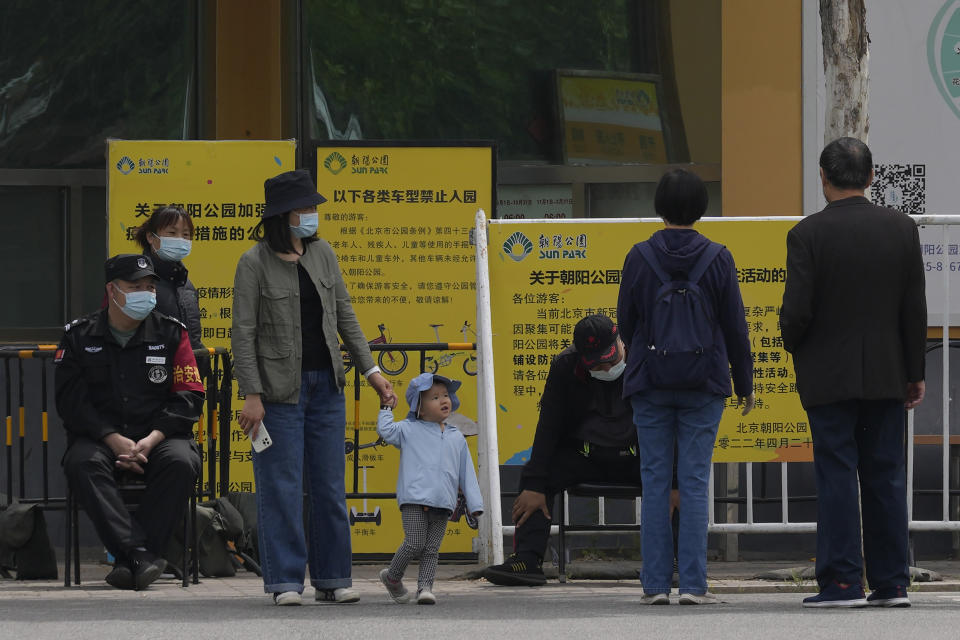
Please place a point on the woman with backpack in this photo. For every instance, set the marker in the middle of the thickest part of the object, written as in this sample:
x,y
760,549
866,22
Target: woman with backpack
x,y
680,315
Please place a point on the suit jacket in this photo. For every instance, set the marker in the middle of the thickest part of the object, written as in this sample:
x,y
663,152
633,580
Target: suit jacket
x,y
854,312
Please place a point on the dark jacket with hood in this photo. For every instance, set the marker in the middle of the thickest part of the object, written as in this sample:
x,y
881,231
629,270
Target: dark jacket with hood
x,y
177,297
678,250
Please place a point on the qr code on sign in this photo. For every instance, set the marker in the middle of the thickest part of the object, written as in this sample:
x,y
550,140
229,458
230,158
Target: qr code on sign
x,y
900,186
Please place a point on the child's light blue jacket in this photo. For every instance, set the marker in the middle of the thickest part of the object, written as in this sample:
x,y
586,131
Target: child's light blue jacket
x,y
433,463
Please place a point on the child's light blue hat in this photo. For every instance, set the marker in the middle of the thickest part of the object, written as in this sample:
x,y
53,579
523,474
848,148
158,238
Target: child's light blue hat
x,y
423,382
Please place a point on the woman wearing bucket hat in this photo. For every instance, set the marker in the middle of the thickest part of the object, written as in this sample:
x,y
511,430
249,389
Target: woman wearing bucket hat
x,y
289,305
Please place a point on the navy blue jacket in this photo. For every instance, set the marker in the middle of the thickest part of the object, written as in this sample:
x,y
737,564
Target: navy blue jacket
x,y
678,250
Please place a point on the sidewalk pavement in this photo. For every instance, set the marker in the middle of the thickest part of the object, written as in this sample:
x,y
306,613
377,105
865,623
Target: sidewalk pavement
x,y
723,578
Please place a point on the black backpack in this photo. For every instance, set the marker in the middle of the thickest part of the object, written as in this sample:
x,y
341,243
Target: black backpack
x,y
681,325
24,544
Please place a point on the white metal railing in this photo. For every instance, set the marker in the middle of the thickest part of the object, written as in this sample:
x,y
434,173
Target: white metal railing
x,y
491,546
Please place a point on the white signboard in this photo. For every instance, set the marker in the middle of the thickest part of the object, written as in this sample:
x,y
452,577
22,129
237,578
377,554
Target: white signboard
x,y
941,260
914,108
914,104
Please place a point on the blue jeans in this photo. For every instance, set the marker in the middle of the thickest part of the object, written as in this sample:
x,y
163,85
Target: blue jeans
x,y
307,437
689,419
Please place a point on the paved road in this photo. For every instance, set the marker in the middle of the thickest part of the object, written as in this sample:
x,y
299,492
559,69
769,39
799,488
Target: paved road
x,y
236,609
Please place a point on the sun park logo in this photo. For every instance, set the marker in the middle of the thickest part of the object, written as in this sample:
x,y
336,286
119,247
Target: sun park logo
x,y
145,166
335,163
517,246
125,165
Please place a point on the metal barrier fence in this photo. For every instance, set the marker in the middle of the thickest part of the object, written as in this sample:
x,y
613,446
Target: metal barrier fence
x,y
491,542
214,478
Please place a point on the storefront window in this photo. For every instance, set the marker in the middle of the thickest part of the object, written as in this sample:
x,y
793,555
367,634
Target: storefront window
x,y
455,69
92,70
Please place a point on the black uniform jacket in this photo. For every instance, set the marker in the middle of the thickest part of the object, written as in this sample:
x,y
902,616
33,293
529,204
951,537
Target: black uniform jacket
x,y
151,383
854,312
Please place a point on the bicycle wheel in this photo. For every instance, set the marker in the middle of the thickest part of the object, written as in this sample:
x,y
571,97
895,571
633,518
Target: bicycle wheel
x,y
470,365
392,362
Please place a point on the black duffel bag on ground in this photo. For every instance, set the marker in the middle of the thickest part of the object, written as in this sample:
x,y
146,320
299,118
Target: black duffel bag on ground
x,y
24,544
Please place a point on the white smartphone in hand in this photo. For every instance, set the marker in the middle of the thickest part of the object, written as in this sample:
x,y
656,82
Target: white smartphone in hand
x,y
262,441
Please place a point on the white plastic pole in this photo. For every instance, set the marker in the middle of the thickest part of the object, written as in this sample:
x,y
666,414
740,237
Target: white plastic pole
x,y
945,393
488,455
784,500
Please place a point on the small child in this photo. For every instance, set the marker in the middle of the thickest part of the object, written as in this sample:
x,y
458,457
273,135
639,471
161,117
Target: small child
x,y
434,464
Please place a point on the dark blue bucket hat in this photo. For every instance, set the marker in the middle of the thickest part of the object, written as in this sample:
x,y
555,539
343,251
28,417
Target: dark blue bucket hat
x,y
288,191
423,382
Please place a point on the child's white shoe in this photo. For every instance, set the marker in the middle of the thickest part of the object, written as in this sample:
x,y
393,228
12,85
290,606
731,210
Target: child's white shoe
x,y
398,592
424,596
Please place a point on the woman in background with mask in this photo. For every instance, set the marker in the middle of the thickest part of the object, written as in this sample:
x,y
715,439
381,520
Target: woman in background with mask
x,y
290,304
166,237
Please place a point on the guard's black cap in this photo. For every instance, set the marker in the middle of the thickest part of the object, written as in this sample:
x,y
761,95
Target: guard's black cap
x,y
595,338
288,191
129,267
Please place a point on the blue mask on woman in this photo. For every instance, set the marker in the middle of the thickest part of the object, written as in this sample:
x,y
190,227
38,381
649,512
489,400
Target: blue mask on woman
x,y
139,304
172,249
308,225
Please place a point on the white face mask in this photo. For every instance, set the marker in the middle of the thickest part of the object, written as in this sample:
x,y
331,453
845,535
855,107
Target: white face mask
x,y
610,374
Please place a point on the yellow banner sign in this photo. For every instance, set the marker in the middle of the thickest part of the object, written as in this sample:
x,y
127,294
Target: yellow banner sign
x,y
400,219
545,276
221,185
610,119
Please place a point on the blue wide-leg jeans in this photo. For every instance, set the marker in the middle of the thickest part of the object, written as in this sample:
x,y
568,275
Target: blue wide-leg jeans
x,y
307,447
689,420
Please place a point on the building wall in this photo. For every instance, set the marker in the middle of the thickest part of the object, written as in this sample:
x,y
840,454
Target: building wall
x,y
697,65
761,106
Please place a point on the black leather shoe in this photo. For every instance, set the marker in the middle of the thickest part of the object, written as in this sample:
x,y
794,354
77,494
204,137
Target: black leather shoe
x,y
120,577
146,568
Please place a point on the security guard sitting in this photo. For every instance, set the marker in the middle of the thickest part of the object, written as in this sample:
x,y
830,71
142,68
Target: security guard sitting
x,y
128,392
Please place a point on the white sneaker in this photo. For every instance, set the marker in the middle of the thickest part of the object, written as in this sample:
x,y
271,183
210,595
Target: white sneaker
x,y
398,592
698,598
655,598
287,599
424,596
342,595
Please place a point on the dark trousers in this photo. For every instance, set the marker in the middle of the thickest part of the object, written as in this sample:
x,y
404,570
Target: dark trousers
x,y
860,438
169,475
567,469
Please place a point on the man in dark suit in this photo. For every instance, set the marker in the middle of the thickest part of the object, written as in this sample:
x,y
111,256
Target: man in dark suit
x,y
854,317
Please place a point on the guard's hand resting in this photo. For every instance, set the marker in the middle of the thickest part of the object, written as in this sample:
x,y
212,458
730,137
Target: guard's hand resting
x,y
528,503
747,403
251,415
127,452
145,445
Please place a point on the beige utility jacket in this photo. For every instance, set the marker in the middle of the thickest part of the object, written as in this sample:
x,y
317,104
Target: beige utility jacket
x,y
266,336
